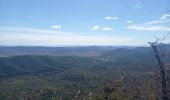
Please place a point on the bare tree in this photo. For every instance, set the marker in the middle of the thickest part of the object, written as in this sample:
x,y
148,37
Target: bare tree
x,y
154,46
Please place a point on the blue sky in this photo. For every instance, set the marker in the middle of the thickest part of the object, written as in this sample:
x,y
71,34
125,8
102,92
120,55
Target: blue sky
x,y
82,22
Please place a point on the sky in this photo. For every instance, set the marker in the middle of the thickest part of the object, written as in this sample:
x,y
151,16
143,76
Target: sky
x,y
82,22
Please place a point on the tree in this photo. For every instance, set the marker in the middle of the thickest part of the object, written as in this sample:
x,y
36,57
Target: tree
x,y
154,46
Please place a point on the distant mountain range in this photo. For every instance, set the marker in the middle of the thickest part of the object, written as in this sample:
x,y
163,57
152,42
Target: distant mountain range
x,y
57,51
6,51
25,71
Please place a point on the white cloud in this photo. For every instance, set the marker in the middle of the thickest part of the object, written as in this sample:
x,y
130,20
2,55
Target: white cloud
x,y
19,36
129,21
96,27
156,25
30,31
111,18
56,27
165,16
64,40
148,28
107,28
154,22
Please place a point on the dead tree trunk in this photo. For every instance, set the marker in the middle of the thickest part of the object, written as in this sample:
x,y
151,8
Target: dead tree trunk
x,y
164,95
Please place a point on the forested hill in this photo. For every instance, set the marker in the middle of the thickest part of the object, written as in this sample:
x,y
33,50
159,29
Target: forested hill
x,y
67,51
37,63
31,64
58,77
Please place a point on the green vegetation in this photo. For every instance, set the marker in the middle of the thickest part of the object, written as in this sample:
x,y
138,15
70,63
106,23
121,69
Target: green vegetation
x,y
119,74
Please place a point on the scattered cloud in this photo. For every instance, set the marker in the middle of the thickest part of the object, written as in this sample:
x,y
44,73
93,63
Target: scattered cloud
x,y
41,37
107,28
156,25
111,18
56,27
148,28
129,21
16,30
154,22
96,27
165,16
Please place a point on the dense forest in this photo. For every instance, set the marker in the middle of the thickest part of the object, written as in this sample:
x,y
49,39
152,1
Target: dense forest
x,y
81,73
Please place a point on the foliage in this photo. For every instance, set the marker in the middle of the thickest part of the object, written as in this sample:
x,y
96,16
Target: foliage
x,y
119,74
